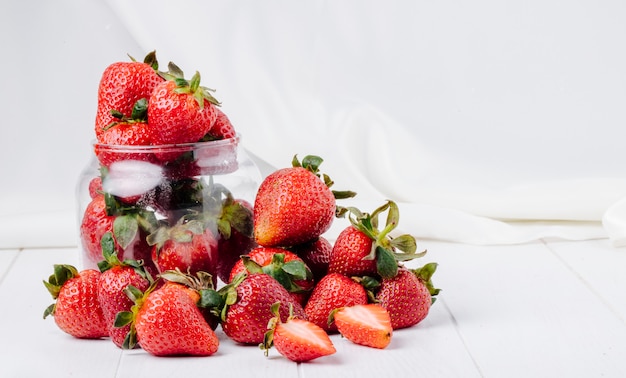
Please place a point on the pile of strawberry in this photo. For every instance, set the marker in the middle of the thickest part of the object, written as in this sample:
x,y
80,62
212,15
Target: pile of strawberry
x,y
152,121
283,283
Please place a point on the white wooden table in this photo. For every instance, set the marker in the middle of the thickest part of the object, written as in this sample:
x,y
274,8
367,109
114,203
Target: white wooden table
x,y
545,309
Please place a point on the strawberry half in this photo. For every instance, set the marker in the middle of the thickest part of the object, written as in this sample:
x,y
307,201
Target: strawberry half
x,y
332,292
368,325
297,339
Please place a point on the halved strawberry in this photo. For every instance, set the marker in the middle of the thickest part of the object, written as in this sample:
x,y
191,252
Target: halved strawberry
x,y
297,339
368,324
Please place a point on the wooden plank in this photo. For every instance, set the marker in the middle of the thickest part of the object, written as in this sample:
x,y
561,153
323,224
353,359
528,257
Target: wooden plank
x,y
34,347
432,348
522,312
599,266
231,360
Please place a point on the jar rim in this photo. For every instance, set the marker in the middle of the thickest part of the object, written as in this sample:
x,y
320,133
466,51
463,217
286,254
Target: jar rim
x,y
174,146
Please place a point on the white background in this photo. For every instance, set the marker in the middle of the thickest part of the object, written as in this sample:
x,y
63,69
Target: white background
x,y
466,113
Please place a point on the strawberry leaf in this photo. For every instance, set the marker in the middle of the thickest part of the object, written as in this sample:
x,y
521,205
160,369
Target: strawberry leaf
x,y
297,270
210,299
406,243
125,228
386,263
123,318
312,163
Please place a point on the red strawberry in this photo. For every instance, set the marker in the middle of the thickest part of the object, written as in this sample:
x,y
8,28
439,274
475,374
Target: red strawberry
x,y
284,266
408,296
293,205
94,224
349,255
76,309
235,234
125,131
121,85
116,276
297,339
95,187
180,111
197,286
361,249
187,246
104,215
166,321
332,292
368,325
316,255
245,318
222,127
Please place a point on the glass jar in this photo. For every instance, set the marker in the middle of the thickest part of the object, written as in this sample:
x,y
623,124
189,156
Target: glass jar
x,y
186,206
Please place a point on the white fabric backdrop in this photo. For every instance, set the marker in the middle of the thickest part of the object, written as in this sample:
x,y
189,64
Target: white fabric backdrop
x,y
488,122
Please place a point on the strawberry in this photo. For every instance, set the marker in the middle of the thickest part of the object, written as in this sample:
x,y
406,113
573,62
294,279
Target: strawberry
x,y
222,128
116,276
124,131
331,292
316,255
94,224
235,234
104,214
361,249
297,339
95,187
180,111
187,246
166,321
76,309
284,266
408,296
294,205
247,307
197,286
368,325
122,84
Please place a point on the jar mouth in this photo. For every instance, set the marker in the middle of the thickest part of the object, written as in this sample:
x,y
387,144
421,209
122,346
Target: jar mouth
x,y
169,147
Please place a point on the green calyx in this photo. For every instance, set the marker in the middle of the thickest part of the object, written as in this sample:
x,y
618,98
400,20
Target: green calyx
x,y
110,258
386,250
191,87
312,164
201,281
221,209
286,273
150,59
139,114
268,337
425,274
219,301
62,273
124,318
182,232
129,219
